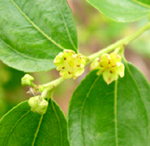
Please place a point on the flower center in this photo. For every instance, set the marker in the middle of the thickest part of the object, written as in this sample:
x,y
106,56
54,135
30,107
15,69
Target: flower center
x,y
71,63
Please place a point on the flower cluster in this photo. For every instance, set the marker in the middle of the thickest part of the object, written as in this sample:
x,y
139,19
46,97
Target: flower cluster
x,y
70,64
109,66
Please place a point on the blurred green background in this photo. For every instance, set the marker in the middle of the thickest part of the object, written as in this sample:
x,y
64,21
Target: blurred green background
x,y
95,31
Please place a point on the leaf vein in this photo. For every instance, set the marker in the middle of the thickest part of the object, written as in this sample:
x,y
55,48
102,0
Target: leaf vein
x,y
58,122
87,95
15,126
67,29
139,93
37,130
115,113
35,26
25,56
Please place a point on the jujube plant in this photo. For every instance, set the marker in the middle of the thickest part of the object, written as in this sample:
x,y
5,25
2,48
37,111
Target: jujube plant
x,y
111,105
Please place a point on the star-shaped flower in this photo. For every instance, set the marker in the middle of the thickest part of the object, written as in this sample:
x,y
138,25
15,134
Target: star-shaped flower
x,y
70,64
109,66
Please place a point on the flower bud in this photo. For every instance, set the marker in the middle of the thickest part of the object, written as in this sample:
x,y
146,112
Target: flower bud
x,y
109,66
27,80
70,64
38,104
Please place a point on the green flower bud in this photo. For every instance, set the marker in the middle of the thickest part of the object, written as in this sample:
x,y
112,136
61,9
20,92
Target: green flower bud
x,y
27,80
70,64
38,104
110,66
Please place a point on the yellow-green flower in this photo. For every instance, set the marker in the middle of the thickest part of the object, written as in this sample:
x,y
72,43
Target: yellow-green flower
x,y
109,66
70,64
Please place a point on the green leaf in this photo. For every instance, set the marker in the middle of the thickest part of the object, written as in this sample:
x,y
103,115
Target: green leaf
x,y
111,115
33,32
22,127
120,10
145,3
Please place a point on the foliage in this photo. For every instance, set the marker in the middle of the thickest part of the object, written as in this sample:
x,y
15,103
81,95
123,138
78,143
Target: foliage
x,y
105,110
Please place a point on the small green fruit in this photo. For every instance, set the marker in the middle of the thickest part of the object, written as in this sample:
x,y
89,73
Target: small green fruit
x,y
38,104
27,80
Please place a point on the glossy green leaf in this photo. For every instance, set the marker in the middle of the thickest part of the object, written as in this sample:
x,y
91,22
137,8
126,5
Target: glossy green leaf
x,y
120,10
145,3
111,115
22,127
33,32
